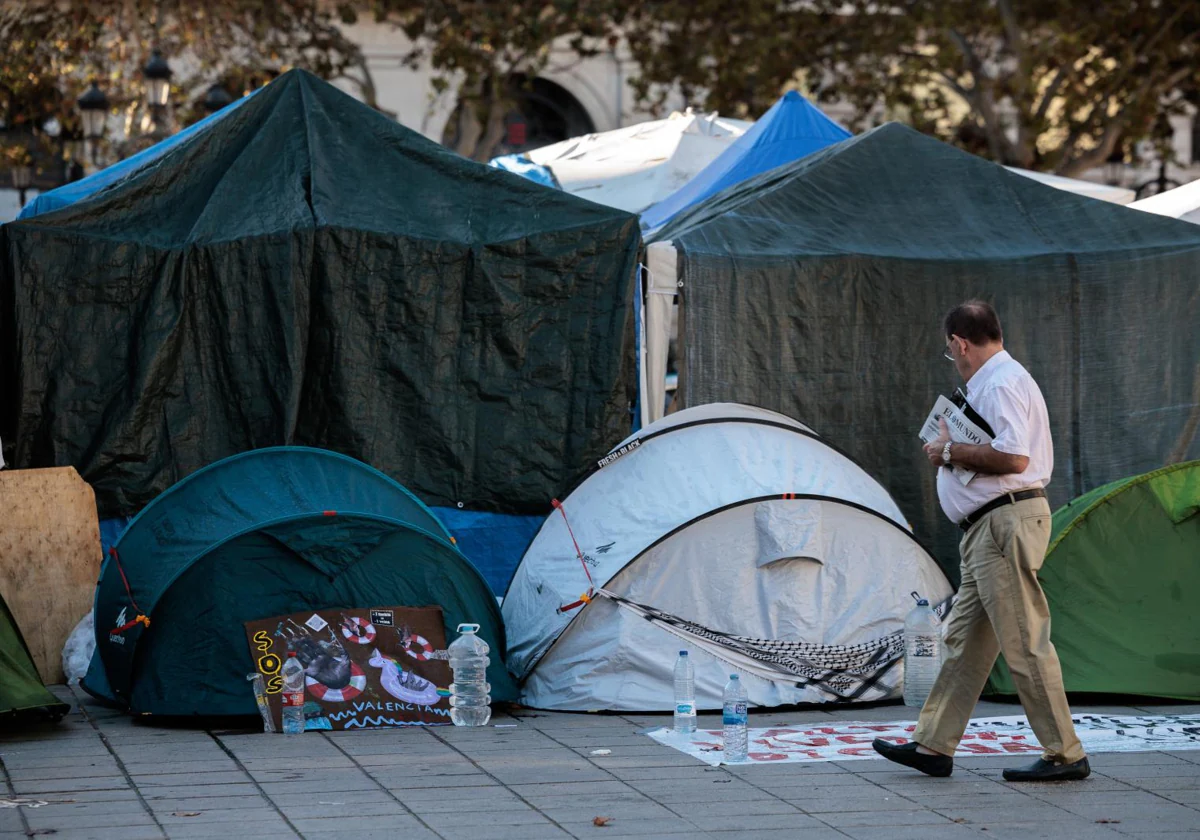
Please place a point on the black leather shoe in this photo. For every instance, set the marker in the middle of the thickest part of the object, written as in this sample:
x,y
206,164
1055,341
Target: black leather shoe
x,y
1047,771
906,754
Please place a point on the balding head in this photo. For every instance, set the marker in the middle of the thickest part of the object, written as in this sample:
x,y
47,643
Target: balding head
x,y
976,321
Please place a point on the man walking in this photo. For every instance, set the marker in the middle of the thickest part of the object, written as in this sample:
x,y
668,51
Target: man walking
x,y
1006,519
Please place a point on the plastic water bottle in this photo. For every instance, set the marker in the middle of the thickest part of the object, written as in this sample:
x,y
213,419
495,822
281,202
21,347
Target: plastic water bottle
x,y
736,718
685,695
293,696
922,653
470,703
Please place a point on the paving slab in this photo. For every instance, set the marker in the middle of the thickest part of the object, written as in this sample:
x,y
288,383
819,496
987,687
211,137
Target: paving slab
x,y
106,777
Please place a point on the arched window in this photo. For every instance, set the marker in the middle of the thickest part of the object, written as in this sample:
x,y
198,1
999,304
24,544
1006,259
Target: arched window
x,y
540,112
543,113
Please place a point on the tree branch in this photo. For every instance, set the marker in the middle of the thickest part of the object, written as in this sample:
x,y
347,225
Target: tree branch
x,y
1012,32
1140,51
1112,133
972,58
1001,148
1049,93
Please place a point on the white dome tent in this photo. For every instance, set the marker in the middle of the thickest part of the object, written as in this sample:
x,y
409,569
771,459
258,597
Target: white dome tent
x,y
634,167
737,533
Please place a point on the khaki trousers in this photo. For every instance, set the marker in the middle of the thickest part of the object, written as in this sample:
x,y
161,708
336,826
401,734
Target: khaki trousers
x,y
1001,607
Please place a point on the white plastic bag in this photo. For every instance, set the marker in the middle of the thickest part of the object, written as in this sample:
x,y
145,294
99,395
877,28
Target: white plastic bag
x,y
77,652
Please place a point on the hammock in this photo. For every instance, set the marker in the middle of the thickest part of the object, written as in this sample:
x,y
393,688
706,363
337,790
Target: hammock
x,y
845,672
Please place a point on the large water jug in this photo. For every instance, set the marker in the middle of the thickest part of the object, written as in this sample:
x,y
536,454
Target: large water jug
x,y
470,703
922,653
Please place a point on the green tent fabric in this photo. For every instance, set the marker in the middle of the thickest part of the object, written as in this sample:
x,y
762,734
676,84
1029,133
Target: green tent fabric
x,y
305,271
817,289
22,696
1122,576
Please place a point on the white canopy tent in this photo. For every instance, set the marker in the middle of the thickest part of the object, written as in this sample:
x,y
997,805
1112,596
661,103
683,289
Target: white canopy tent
x,y
1181,203
635,167
737,533
1103,192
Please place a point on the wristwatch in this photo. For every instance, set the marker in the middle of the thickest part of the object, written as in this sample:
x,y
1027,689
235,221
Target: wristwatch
x,y
946,452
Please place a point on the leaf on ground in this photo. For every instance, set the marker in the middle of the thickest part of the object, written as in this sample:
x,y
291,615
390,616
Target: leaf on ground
x,y
600,822
186,814
1108,822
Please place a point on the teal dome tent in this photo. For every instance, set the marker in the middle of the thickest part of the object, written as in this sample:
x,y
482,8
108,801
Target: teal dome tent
x,y
265,533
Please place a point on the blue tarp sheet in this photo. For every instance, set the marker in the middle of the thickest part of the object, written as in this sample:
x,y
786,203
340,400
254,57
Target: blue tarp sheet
x,y
523,166
790,130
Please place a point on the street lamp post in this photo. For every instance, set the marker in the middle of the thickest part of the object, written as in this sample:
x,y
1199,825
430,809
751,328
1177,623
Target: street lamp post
x,y
22,178
216,98
157,75
93,112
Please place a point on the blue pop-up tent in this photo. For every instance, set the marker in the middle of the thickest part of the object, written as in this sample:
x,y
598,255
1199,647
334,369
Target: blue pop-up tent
x,y
68,194
790,130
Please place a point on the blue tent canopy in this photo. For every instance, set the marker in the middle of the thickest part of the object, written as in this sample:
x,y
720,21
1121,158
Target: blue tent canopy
x,y
521,165
790,130
68,194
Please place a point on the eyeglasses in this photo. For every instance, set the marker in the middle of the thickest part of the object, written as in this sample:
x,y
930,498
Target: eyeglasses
x,y
947,355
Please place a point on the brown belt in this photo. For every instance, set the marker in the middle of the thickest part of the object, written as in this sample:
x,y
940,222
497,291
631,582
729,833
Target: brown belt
x,y
1006,499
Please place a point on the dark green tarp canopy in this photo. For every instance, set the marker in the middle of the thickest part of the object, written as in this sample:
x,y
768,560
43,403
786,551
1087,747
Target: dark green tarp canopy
x,y
306,271
23,698
1123,579
817,289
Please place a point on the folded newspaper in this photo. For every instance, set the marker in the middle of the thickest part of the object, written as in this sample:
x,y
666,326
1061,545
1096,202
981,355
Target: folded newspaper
x,y
962,430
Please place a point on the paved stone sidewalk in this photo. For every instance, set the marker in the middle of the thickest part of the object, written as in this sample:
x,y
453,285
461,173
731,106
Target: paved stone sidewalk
x,y
105,778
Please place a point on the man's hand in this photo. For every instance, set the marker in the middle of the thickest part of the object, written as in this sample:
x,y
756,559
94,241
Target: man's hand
x,y
978,458
933,449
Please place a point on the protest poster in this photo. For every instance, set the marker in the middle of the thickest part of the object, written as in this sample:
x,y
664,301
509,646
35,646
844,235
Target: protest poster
x,y
364,668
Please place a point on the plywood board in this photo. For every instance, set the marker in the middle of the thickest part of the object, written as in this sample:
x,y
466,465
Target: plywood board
x,y
49,558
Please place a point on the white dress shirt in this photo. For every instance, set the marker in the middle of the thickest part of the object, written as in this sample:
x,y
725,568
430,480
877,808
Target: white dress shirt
x,y
1005,395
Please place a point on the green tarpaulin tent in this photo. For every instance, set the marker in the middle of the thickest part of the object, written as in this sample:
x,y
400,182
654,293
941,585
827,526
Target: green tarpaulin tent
x,y
306,271
1122,576
22,695
817,289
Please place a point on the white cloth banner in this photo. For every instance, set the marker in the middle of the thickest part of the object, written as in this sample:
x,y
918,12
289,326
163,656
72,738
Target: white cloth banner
x,y
984,736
